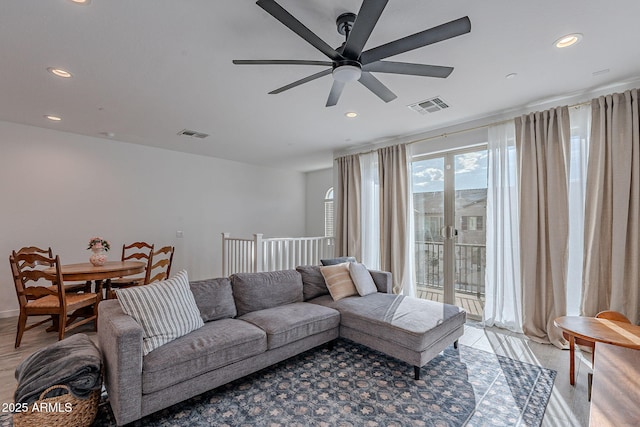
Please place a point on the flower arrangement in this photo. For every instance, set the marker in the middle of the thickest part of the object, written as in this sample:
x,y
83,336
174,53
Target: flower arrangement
x,y
99,242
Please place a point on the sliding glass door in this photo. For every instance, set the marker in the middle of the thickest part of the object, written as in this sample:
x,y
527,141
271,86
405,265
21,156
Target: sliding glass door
x,y
449,197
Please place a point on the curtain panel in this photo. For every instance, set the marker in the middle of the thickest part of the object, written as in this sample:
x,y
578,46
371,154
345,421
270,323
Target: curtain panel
x,y
503,298
611,276
395,223
370,211
543,150
348,207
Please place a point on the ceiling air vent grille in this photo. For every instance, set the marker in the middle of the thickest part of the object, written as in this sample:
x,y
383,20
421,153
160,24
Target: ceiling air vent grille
x,y
431,105
193,134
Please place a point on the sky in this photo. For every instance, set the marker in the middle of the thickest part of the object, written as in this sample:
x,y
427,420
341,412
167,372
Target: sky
x,y
470,172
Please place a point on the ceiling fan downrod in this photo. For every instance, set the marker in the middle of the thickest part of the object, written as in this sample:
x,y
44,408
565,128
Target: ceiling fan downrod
x,y
344,23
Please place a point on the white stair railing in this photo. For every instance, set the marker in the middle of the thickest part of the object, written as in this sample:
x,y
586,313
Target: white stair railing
x,y
282,253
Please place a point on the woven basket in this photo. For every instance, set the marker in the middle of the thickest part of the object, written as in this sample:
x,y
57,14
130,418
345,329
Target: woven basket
x,y
65,410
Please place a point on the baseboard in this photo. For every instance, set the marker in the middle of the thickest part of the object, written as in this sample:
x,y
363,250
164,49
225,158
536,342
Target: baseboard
x,y
9,313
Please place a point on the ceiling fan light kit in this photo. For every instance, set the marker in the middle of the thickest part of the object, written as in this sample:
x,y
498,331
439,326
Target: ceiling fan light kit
x,y
350,62
347,72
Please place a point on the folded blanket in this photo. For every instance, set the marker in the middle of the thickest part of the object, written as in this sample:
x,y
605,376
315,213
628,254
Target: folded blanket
x,y
74,362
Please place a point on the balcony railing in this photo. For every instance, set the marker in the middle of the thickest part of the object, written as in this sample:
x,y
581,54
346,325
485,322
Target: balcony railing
x,y
470,263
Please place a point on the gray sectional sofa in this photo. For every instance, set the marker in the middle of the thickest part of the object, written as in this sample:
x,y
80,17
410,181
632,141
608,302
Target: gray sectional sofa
x,y
254,320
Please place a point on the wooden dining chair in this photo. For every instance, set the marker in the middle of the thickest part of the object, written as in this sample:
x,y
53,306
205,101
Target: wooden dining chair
x,y
137,251
38,297
68,287
161,261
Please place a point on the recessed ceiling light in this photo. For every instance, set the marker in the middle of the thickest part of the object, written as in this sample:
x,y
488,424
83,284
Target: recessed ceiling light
x,y
53,118
568,40
82,2
59,72
511,76
351,114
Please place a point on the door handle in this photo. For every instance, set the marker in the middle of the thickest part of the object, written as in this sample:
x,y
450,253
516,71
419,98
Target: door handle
x,y
448,232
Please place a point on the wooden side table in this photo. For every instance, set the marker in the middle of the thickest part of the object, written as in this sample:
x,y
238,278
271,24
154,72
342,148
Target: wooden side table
x,y
596,330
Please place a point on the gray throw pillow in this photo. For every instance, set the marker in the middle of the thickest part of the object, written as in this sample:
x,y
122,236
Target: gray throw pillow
x,y
339,260
362,279
313,284
214,298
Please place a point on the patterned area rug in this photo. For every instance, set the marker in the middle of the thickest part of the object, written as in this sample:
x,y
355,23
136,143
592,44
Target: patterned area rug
x,y
353,385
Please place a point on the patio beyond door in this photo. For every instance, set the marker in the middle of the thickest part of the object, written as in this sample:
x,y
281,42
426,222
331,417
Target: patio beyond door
x,y
449,200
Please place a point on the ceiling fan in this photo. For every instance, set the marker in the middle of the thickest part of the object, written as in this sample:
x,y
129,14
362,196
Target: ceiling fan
x,y
348,62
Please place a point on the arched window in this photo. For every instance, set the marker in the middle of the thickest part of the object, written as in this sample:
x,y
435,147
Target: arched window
x,y
328,213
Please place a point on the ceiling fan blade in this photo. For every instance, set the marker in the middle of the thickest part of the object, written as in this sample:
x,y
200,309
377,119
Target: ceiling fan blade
x,y
409,68
376,86
280,62
302,81
433,35
366,20
336,91
275,10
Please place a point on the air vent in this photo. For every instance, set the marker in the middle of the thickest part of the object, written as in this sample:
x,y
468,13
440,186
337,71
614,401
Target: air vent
x,y
193,134
429,106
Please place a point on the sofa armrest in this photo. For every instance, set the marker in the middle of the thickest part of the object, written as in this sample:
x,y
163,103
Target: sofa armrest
x,y
120,339
383,281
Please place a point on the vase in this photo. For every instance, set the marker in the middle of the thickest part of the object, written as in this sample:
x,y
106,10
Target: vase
x,y
98,257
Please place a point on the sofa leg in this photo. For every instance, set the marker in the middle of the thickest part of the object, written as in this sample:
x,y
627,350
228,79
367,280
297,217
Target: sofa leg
x,y
416,372
331,344
455,344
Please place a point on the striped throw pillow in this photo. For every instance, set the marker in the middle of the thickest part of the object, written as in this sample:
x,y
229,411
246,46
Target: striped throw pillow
x,y
339,281
166,310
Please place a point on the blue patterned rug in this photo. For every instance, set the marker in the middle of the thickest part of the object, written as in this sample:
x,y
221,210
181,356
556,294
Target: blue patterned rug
x,y
353,385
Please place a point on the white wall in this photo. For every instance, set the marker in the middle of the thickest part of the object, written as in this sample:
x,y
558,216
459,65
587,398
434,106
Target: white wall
x,y
59,189
318,182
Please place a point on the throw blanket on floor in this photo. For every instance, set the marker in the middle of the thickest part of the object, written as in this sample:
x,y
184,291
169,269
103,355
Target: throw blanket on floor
x,y
74,362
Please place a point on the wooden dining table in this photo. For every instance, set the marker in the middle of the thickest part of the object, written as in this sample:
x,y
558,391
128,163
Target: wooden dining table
x,y
87,272
597,330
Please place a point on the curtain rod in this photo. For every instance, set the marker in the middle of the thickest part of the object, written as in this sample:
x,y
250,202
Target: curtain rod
x,y
446,134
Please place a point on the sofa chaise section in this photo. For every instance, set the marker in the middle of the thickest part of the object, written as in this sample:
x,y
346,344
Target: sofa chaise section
x,y
410,329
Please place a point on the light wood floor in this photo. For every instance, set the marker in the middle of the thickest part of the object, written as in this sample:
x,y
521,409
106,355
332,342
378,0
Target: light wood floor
x,y
568,406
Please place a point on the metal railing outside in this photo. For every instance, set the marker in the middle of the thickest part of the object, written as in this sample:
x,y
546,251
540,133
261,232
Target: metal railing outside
x,y
470,266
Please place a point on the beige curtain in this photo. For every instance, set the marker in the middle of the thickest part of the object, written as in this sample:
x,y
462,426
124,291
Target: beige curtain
x,y
395,233
611,276
543,149
347,205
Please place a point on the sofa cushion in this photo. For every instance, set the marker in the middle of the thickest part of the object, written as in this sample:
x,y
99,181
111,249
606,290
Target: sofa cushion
x,y
412,323
166,310
257,291
292,322
339,260
313,284
339,281
213,346
214,298
362,279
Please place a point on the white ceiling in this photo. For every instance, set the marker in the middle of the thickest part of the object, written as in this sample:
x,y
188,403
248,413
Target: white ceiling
x,y
146,69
